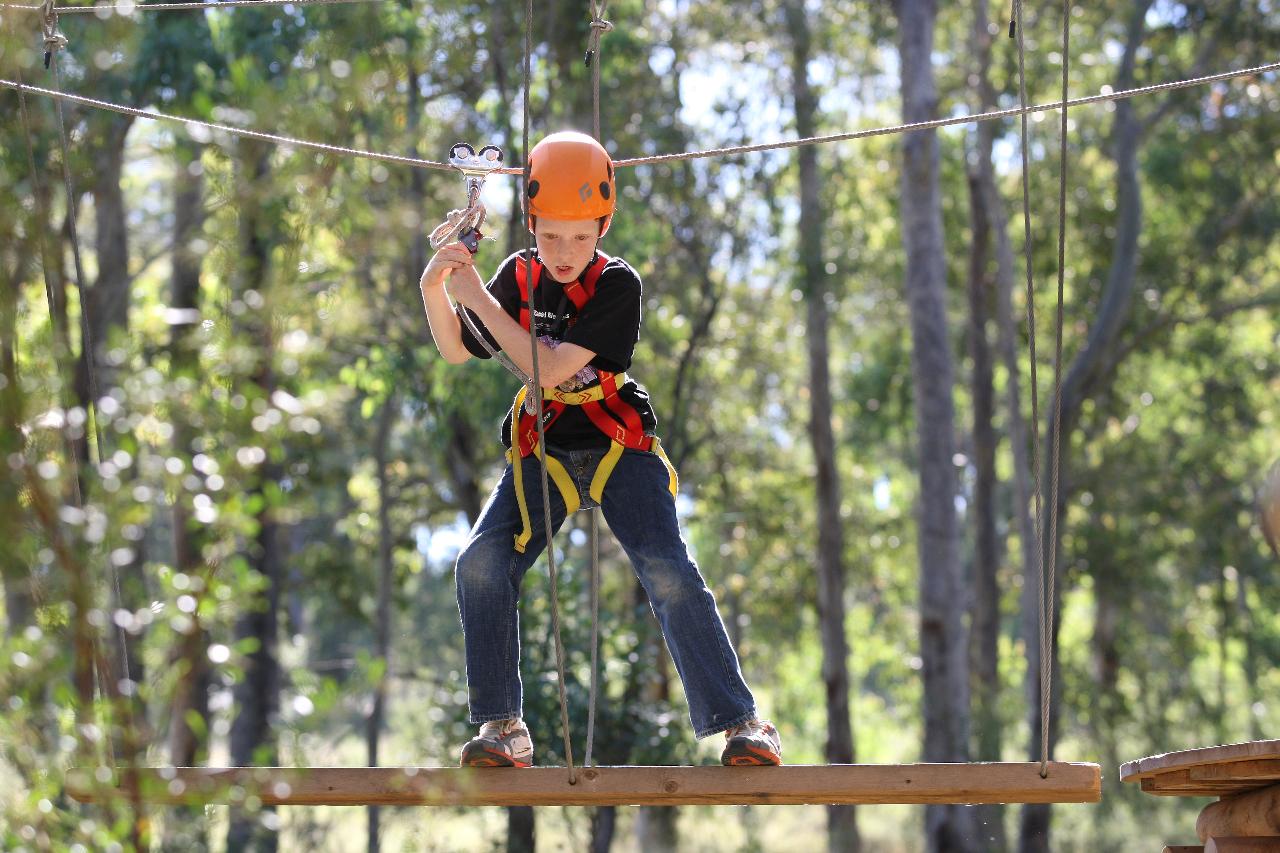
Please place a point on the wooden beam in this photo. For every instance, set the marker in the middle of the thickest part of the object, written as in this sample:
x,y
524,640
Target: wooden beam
x,y
1253,814
1212,771
1183,848
1013,782
1266,771
1181,783
1269,844
1145,767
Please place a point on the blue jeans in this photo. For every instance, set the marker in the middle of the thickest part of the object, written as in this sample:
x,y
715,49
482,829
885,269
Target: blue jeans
x,y
642,516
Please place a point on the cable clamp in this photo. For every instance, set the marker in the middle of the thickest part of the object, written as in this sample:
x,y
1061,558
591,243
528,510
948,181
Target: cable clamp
x,y
54,40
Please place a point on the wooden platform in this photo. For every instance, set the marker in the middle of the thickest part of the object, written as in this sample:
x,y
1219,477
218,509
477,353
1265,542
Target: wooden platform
x,y
1211,771
618,786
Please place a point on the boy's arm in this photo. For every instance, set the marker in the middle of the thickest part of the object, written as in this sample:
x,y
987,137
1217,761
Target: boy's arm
x,y
455,263
554,365
446,330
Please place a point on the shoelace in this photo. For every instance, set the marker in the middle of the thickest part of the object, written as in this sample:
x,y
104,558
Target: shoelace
x,y
750,728
500,728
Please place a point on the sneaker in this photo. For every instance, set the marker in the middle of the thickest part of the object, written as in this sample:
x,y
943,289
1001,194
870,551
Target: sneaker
x,y
501,743
755,742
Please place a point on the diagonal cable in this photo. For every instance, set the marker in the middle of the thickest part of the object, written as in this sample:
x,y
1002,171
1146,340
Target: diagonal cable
x,y
125,9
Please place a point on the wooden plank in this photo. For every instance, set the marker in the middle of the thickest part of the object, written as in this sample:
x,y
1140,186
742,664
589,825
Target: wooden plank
x,y
1184,783
1156,788
1270,844
1013,782
1183,848
1263,771
1252,814
1132,771
1212,780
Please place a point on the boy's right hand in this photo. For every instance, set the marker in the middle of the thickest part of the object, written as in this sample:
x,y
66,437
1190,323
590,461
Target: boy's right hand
x,y
451,257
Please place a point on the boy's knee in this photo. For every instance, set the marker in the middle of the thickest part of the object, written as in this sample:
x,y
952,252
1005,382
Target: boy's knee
x,y
670,585
478,568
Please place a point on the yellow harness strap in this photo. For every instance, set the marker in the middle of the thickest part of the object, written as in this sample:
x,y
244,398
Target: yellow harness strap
x,y
673,479
610,461
560,476
557,472
593,394
603,470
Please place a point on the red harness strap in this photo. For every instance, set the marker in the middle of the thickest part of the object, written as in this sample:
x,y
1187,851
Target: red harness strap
x,y
613,416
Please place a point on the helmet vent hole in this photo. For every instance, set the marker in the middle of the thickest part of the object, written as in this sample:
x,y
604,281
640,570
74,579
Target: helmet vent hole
x,y
604,190
533,188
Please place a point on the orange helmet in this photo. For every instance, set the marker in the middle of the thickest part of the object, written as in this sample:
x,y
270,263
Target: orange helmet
x,y
571,177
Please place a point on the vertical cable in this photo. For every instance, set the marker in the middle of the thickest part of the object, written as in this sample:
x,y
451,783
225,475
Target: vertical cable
x,y
536,394
1017,29
599,27
1047,605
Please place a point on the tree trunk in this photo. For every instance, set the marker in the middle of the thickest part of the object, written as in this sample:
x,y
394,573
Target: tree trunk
x,y
417,180
499,35
521,834
656,829
464,466
1019,432
943,648
106,312
109,297
386,579
842,825
107,317
257,696
15,571
984,641
604,823
188,745
655,826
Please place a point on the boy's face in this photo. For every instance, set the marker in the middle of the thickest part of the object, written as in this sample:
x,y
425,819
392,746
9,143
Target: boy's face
x,y
566,245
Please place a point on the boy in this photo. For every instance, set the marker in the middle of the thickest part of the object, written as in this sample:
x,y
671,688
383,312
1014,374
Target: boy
x,y
601,450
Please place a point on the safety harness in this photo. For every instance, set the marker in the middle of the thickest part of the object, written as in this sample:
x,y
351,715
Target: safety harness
x,y
610,413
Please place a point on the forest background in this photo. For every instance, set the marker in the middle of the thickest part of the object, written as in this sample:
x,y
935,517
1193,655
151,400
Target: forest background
x,y
227,536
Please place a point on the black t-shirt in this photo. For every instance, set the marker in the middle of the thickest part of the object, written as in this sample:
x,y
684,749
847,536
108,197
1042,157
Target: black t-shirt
x,y
608,325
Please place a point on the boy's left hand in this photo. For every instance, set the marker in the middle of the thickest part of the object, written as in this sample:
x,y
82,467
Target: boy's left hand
x,y
464,283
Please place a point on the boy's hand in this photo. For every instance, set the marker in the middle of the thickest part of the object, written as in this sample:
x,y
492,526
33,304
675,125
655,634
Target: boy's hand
x,y
465,285
446,262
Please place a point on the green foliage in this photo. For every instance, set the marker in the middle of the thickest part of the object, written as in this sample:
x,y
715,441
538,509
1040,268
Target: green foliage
x,y
307,398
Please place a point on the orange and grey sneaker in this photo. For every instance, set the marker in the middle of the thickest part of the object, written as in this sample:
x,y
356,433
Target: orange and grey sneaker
x,y
501,743
755,742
